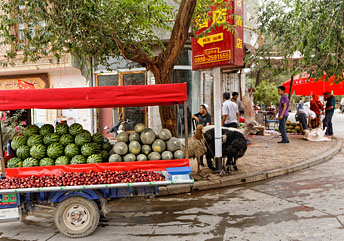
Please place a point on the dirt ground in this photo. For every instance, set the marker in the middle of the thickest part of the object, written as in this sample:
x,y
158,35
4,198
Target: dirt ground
x,y
264,153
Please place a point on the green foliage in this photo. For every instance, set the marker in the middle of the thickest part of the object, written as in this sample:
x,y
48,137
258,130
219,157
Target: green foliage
x,y
313,29
97,28
266,92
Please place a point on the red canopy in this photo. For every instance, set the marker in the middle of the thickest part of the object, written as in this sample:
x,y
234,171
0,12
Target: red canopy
x,y
94,97
303,85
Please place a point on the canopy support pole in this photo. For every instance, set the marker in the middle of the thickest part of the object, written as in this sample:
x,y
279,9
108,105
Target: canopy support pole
x,y
186,129
291,86
2,158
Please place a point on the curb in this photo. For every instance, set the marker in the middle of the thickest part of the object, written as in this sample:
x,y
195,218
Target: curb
x,y
235,180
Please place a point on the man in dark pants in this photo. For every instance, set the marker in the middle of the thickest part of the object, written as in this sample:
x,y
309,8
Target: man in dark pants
x,y
283,114
329,111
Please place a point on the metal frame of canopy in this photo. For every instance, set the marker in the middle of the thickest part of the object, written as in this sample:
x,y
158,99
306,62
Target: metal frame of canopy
x,y
94,97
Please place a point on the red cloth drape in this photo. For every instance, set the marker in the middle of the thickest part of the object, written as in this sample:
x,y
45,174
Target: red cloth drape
x,y
94,97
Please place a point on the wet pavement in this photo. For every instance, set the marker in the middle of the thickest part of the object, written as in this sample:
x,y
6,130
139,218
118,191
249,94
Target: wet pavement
x,y
306,205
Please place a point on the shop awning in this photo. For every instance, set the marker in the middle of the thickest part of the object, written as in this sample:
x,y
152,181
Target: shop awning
x,y
303,85
93,97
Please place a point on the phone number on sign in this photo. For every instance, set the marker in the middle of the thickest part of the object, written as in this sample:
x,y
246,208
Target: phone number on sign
x,y
212,58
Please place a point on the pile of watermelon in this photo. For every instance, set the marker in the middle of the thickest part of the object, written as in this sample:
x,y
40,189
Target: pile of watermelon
x,y
63,145
144,144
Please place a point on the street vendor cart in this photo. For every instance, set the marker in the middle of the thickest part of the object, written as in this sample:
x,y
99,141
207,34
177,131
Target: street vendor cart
x,y
78,208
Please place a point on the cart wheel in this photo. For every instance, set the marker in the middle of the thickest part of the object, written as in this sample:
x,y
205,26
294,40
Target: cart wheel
x,y
77,217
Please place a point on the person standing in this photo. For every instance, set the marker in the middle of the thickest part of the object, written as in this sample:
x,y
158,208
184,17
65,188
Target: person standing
x,y
230,112
329,111
235,96
283,114
316,106
202,117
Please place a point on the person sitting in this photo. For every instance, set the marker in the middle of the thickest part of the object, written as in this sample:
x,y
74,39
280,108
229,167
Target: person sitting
x,y
317,107
202,117
305,117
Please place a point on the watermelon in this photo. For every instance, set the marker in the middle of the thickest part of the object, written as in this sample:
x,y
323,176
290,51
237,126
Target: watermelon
x,y
179,155
134,137
167,155
71,150
86,132
148,136
134,147
115,158
129,158
46,129
66,139
46,162
62,160
123,137
31,130
154,156
38,151
75,129
82,139
165,134
94,158
139,128
18,141
97,147
51,138
23,152
30,162
34,140
88,149
14,162
159,146
146,149
107,146
120,148
62,128
55,150
78,159
105,155
141,157
98,138
174,144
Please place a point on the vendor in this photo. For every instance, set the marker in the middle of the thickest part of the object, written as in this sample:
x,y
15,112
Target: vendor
x,y
202,117
305,117
317,107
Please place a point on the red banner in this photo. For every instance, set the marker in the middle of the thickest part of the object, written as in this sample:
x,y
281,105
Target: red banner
x,y
220,47
160,165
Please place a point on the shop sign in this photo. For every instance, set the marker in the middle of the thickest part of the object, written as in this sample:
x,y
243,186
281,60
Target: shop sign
x,y
220,47
23,82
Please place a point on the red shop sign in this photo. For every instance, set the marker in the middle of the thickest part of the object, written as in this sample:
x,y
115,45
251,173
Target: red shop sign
x,y
220,48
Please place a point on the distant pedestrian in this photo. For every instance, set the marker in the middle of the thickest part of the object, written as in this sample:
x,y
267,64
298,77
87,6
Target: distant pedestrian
x,y
283,114
202,117
329,111
230,112
317,107
235,96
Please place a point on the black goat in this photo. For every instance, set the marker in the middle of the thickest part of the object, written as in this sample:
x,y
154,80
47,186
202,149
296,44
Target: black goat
x,y
234,146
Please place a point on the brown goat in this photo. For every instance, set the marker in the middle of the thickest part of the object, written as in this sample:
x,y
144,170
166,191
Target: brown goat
x,y
197,146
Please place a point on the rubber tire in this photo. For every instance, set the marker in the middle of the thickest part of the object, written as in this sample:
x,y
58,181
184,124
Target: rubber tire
x,y
94,216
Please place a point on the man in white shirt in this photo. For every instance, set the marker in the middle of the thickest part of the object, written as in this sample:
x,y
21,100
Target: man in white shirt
x,y
230,112
305,114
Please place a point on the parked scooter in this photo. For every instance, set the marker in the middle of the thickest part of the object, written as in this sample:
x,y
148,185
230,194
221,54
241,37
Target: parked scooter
x,y
120,126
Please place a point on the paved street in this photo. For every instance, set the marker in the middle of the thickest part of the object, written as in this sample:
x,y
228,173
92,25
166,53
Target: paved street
x,y
306,205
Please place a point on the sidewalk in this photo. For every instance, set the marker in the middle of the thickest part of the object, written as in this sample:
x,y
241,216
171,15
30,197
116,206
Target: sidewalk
x,y
264,159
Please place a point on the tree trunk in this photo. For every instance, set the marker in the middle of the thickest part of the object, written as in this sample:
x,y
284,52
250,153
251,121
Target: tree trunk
x,y
259,77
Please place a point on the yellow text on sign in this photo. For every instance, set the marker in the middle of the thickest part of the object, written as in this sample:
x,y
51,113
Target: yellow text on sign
x,y
210,39
212,56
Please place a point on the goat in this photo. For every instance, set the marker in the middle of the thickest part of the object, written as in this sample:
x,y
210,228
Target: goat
x,y
196,146
234,146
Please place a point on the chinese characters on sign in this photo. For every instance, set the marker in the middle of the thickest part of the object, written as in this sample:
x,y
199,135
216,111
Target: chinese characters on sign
x,y
220,47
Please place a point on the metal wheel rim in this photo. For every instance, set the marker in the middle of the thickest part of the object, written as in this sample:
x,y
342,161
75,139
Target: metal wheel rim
x,y
76,217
